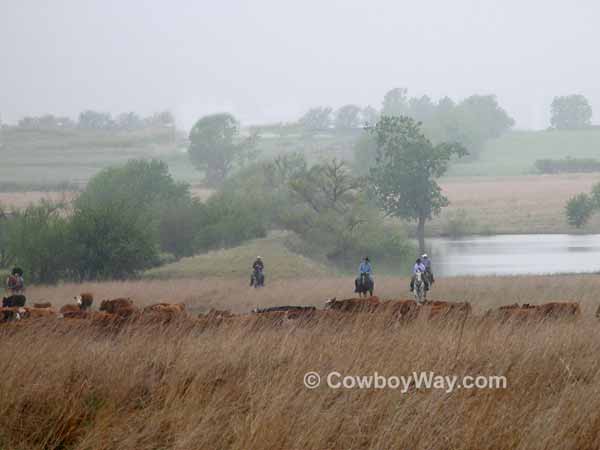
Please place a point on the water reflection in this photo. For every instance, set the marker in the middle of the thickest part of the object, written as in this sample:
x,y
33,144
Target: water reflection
x,y
516,254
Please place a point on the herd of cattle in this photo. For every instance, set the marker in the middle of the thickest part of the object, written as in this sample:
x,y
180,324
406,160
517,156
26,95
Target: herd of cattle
x,y
123,310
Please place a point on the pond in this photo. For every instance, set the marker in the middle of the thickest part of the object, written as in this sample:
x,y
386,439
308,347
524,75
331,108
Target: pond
x,y
515,254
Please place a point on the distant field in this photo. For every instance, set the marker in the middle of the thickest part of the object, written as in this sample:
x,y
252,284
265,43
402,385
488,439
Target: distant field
x,y
55,156
522,204
515,152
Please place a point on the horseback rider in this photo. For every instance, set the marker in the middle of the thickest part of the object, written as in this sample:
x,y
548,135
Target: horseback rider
x,y
419,267
428,272
258,264
365,268
258,267
15,283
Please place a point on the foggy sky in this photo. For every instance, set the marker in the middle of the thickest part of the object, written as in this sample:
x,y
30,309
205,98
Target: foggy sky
x,y
270,60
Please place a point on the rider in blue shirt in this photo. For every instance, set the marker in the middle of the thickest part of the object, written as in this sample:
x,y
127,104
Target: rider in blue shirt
x,y
365,267
419,267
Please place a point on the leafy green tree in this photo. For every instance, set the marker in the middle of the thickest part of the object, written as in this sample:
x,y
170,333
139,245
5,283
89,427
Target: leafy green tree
x,y
365,153
570,112
181,223
347,117
316,119
110,240
232,218
147,188
216,146
139,183
395,102
37,242
407,166
579,209
421,108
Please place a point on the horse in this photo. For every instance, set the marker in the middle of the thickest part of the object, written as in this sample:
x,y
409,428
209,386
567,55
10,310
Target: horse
x,y
257,279
363,284
419,288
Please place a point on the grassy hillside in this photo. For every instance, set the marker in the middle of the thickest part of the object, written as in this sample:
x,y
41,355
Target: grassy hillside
x,y
236,262
515,153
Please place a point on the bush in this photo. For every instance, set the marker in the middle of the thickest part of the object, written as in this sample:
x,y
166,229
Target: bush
x,y
579,209
230,220
111,241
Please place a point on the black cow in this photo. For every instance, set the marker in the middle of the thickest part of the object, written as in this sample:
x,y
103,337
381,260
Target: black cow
x,y
13,301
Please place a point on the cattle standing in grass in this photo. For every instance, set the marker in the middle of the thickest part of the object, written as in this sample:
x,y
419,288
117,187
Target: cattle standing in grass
x,y
169,308
42,305
85,300
286,312
35,313
516,312
72,312
121,306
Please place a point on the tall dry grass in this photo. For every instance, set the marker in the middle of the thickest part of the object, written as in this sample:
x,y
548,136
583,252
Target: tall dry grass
x,y
180,386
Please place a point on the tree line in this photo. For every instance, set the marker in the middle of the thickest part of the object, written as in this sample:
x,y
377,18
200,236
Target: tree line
x,y
96,120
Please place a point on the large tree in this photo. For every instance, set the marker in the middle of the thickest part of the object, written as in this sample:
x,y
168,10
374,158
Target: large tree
x,y
347,117
216,146
570,112
317,119
407,166
395,102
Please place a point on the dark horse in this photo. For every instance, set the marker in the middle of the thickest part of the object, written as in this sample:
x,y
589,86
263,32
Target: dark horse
x,y
363,284
258,278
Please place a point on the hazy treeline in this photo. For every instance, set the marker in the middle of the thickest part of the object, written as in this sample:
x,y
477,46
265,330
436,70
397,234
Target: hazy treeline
x,y
96,120
567,165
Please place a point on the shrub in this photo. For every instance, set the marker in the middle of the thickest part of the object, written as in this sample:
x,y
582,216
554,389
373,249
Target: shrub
x,y
579,209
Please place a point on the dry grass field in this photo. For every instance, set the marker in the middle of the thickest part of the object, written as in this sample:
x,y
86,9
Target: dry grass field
x,y
68,385
518,204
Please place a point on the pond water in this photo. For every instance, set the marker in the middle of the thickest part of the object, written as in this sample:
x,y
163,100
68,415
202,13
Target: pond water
x,y
515,254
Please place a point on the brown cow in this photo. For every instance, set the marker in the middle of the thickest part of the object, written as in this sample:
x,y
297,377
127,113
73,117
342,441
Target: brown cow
x,y
121,306
35,313
42,305
516,312
369,304
445,309
85,300
401,309
72,312
280,314
168,308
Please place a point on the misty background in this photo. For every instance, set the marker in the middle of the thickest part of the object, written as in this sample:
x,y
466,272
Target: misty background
x,y
270,60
